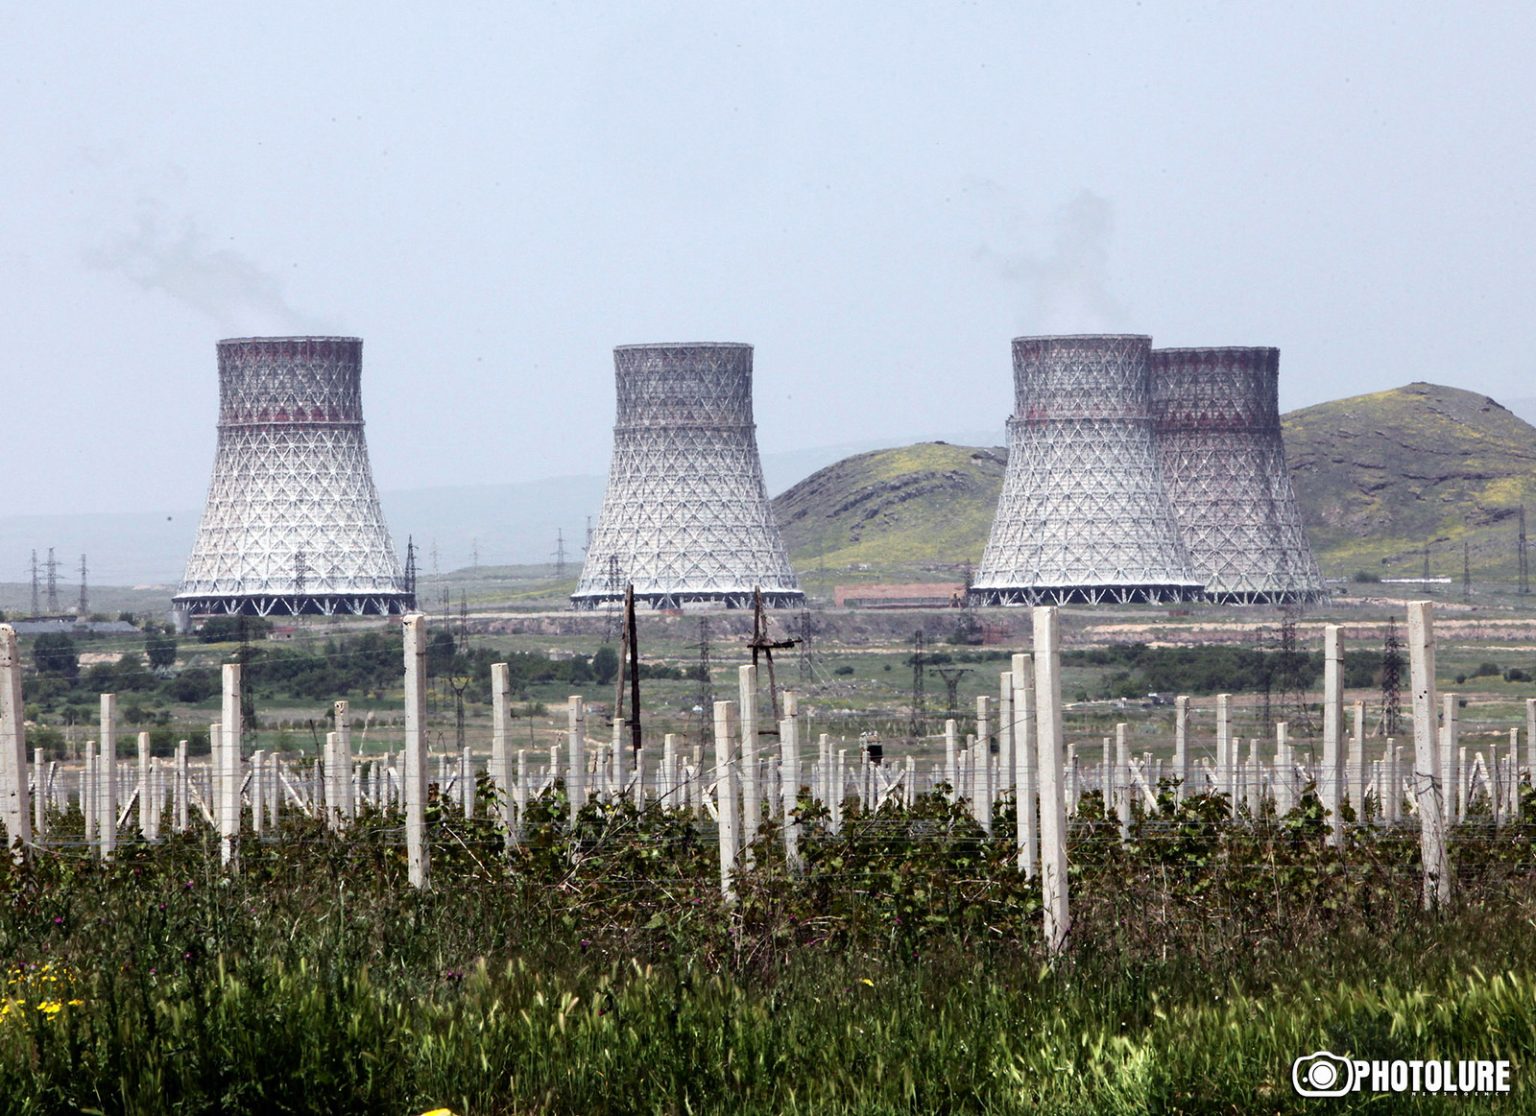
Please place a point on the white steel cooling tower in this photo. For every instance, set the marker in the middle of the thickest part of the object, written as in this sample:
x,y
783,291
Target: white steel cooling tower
x,y
1217,415
1083,516
686,517
292,525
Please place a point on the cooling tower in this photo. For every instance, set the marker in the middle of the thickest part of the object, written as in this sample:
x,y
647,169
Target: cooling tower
x,y
686,517
292,525
1083,517
1217,414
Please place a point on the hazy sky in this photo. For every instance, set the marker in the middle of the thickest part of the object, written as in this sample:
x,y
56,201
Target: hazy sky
x,y
877,196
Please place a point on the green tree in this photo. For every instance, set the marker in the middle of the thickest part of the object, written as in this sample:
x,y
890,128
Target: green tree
x,y
160,647
54,653
605,665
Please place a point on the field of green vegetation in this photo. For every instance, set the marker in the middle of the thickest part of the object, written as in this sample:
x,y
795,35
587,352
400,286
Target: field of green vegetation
x,y
597,969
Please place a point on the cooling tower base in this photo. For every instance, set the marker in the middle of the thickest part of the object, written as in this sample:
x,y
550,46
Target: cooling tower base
x,y
317,604
585,602
1083,594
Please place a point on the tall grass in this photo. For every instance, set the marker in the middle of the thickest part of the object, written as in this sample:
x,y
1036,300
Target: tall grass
x,y
598,971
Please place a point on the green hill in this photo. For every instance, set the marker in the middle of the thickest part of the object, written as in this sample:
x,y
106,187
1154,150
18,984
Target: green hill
x,y
1381,476
1378,477
917,511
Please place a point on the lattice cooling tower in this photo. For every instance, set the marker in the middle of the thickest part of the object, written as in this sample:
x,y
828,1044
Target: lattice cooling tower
x,y
292,525
1217,415
1083,517
686,516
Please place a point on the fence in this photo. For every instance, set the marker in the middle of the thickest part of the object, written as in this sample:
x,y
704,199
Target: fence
x,y
739,785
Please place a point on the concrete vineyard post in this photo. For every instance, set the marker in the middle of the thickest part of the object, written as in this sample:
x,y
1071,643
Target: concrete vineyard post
x,y
1053,818
418,856
13,747
1428,790
725,797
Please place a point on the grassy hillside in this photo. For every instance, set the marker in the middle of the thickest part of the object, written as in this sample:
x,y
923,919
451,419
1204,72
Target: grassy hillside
x,y
921,511
1378,477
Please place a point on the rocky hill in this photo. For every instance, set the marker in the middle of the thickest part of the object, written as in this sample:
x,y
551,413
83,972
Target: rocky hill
x,y
1378,476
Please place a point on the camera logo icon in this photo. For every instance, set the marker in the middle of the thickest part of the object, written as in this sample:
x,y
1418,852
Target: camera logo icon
x,y
1322,1074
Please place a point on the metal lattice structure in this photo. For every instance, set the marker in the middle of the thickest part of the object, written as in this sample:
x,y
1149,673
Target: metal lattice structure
x,y
1217,415
292,525
686,513
1083,517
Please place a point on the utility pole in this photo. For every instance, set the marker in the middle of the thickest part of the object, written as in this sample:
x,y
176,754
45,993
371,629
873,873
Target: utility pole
x,y
634,670
762,643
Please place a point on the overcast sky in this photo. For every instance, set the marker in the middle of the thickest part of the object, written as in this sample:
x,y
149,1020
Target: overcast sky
x,y
877,196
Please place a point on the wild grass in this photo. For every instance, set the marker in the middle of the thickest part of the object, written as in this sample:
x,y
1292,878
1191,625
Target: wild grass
x,y
598,970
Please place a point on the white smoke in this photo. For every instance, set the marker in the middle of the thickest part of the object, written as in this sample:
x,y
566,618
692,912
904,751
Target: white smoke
x,y
230,289
1069,284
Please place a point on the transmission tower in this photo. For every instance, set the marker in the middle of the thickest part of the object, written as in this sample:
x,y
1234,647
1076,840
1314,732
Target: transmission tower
x,y
53,584
34,584
1391,681
559,555
84,609
1293,698
917,728
1523,554
807,661
410,566
615,587
952,676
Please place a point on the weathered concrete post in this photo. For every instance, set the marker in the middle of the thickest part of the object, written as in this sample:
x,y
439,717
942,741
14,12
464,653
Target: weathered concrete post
x,y
1285,770
259,773
466,783
1355,771
1392,793
951,758
725,797
418,855
1427,769
789,788
227,771
1530,740
1450,753
1514,777
146,798
1122,780
13,746
1331,777
1180,747
751,807
1025,759
1006,720
504,782
179,822
39,793
1227,749
106,777
576,760
346,803
1053,818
